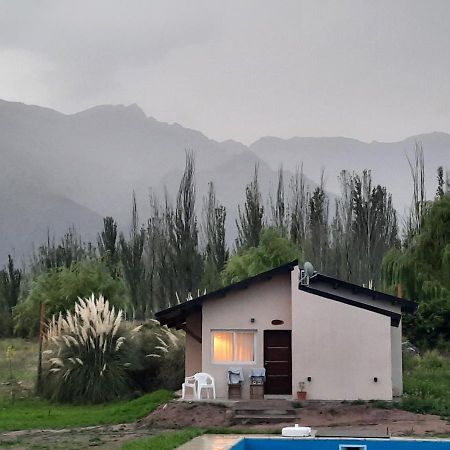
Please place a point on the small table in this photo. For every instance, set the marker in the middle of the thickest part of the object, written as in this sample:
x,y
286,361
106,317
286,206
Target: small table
x,y
234,391
257,391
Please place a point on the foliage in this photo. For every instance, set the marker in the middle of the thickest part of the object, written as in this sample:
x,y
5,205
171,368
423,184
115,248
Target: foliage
x,y
164,441
133,267
423,269
183,234
23,367
426,384
87,353
158,360
273,250
216,250
278,207
107,245
59,289
35,413
10,280
70,249
250,223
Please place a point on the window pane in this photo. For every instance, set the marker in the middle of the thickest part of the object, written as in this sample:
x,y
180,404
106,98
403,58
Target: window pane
x,y
223,346
244,347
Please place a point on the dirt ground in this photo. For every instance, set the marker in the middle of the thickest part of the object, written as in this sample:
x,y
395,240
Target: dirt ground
x,y
322,416
316,415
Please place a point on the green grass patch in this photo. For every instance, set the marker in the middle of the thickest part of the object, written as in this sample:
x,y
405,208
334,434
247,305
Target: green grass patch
x,y
426,384
36,413
164,441
23,365
169,440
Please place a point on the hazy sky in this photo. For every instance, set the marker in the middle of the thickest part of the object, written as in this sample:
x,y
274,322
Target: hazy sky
x,y
238,69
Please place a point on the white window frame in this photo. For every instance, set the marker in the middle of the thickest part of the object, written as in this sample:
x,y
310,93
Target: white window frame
x,y
234,331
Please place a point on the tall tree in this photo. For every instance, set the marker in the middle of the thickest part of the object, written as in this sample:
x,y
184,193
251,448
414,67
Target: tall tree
x,y
216,250
278,207
418,207
423,269
250,222
133,268
440,192
298,206
107,245
10,279
183,234
318,229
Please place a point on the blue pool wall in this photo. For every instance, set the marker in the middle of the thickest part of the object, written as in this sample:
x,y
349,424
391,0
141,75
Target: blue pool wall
x,y
334,444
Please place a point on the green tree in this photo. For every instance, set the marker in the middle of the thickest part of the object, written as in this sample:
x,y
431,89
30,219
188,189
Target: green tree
x,y
131,257
423,269
250,222
10,280
60,287
107,245
216,250
272,251
278,207
298,205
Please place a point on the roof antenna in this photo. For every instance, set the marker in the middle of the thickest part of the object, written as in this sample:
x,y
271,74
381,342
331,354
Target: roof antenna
x,y
306,274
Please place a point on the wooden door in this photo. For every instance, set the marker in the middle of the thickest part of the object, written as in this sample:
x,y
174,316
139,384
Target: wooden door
x,y
278,362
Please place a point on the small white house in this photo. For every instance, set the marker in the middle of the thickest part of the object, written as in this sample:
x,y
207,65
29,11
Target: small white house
x,y
341,340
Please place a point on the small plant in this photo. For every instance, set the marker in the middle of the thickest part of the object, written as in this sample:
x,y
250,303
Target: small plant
x,y
301,394
87,353
297,404
357,402
12,382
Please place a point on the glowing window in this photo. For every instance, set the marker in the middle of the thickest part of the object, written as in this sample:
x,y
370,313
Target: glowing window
x,y
233,346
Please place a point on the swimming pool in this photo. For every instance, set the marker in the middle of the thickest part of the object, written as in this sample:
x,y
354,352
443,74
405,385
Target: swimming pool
x,y
339,444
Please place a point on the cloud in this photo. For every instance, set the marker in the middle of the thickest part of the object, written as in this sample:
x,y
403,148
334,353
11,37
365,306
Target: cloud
x,y
237,69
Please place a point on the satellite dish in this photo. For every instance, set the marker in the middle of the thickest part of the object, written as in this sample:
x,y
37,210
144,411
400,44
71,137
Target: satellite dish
x,y
309,269
306,273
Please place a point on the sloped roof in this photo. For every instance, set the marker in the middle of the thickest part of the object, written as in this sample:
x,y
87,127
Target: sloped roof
x,y
176,315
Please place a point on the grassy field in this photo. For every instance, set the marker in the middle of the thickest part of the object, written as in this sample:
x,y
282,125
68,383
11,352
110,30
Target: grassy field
x,y
427,384
164,441
23,364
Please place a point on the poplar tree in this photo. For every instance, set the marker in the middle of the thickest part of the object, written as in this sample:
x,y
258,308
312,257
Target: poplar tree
x,y
107,245
183,234
216,250
250,221
133,268
278,207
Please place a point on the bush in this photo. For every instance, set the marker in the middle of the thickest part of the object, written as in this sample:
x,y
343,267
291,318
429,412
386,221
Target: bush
x,y
159,358
87,354
59,289
426,384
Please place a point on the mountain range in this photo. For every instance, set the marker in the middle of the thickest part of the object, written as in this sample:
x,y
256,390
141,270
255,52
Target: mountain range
x,y
58,170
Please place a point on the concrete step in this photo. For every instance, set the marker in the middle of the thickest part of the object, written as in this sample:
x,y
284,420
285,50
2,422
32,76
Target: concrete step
x,y
266,411
264,418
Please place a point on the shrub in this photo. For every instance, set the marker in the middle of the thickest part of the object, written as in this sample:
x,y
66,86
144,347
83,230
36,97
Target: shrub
x,y
87,354
59,289
159,358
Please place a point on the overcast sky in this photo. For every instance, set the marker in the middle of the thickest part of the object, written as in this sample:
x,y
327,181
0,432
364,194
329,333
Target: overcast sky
x,y
238,69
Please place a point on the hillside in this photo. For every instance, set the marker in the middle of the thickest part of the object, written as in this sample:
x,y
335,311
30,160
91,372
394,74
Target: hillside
x,y
58,169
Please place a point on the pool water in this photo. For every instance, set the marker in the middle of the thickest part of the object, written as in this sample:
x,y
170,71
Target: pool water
x,y
339,444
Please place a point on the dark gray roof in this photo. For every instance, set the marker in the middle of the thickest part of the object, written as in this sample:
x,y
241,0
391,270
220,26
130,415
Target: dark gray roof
x,y
176,315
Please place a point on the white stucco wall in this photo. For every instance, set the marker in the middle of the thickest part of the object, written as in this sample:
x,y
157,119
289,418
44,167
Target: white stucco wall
x,y
263,301
341,347
396,360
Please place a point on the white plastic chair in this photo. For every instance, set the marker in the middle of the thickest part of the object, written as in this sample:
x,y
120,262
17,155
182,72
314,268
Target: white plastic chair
x,y
205,382
189,382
